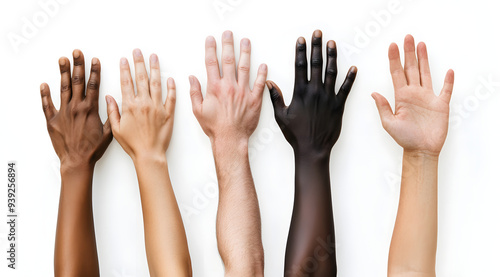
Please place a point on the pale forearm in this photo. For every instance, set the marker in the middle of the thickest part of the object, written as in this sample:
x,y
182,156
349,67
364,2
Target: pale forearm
x,y
166,243
75,248
238,216
414,241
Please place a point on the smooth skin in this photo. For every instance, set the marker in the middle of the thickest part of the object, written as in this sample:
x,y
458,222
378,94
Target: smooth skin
x,y
419,124
144,130
79,139
312,124
229,114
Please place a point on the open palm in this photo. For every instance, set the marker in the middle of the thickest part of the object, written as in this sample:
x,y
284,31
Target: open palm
x,y
420,121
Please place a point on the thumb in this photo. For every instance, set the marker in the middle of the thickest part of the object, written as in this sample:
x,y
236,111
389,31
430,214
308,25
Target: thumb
x,y
113,113
276,96
384,109
195,92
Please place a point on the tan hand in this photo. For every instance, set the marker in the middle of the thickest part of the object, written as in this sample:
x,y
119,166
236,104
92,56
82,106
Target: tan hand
x,y
420,121
230,109
145,126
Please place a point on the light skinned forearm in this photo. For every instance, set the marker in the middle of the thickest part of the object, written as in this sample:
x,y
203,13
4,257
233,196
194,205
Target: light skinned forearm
x,y
166,244
414,241
238,216
75,248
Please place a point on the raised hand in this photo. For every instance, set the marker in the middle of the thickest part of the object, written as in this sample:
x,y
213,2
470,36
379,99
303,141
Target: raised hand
x,y
76,130
420,120
228,114
313,120
312,124
79,139
144,130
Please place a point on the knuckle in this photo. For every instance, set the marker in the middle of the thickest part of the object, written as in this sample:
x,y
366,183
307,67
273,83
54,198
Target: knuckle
x,y
331,71
316,62
211,62
228,60
141,77
77,79
301,64
244,68
93,85
155,84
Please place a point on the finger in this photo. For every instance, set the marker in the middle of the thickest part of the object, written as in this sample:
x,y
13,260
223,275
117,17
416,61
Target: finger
x,y
113,114
65,70
397,72
126,83
141,75
228,63
94,82
107,132
260,81
211,62
276,97
411,66
155,82
170,101
331,66
348,82
448,86
48,107
384,109
423,65
244,63
78,79
300,62
195,92
317,58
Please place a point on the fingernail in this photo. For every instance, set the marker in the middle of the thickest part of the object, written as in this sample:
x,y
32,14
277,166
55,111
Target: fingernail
x,y
154,58
94,61
108,99
245,42
76,54
137,53
301,40
62,61
331,44
269,85
123,61
263,67
191,80
227,34
317,33
170,82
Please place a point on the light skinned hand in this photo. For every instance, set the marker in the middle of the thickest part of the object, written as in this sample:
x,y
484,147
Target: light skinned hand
x,y
145,125
230,109
76,130
420,120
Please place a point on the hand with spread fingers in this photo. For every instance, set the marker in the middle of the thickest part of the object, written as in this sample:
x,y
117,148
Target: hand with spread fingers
x,y
144,130
420,119
79,139
312,124
229,114
419,125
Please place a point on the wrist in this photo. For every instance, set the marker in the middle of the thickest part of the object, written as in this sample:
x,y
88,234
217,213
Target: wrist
x,y
419,154
310,155
229,145
149,159
70,168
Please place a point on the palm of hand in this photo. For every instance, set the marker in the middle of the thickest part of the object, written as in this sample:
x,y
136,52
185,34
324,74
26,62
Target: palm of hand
x,y
420,121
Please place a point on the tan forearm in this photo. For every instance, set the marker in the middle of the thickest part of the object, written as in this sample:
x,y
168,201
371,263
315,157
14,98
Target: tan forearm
x,y
75,248
414,241
238,216
166,243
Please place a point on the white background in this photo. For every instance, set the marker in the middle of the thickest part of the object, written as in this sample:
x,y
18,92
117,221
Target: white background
x,y
365,163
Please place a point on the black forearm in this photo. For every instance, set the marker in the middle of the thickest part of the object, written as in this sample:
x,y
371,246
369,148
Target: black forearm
x,y
310,247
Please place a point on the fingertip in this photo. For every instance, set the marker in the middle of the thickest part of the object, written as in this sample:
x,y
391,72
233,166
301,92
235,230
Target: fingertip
x,y
137,53
77,53
171,82
270,84
263,68
123,61
95,61
317,33
353,69
331,44
301,40
62,61
43,86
